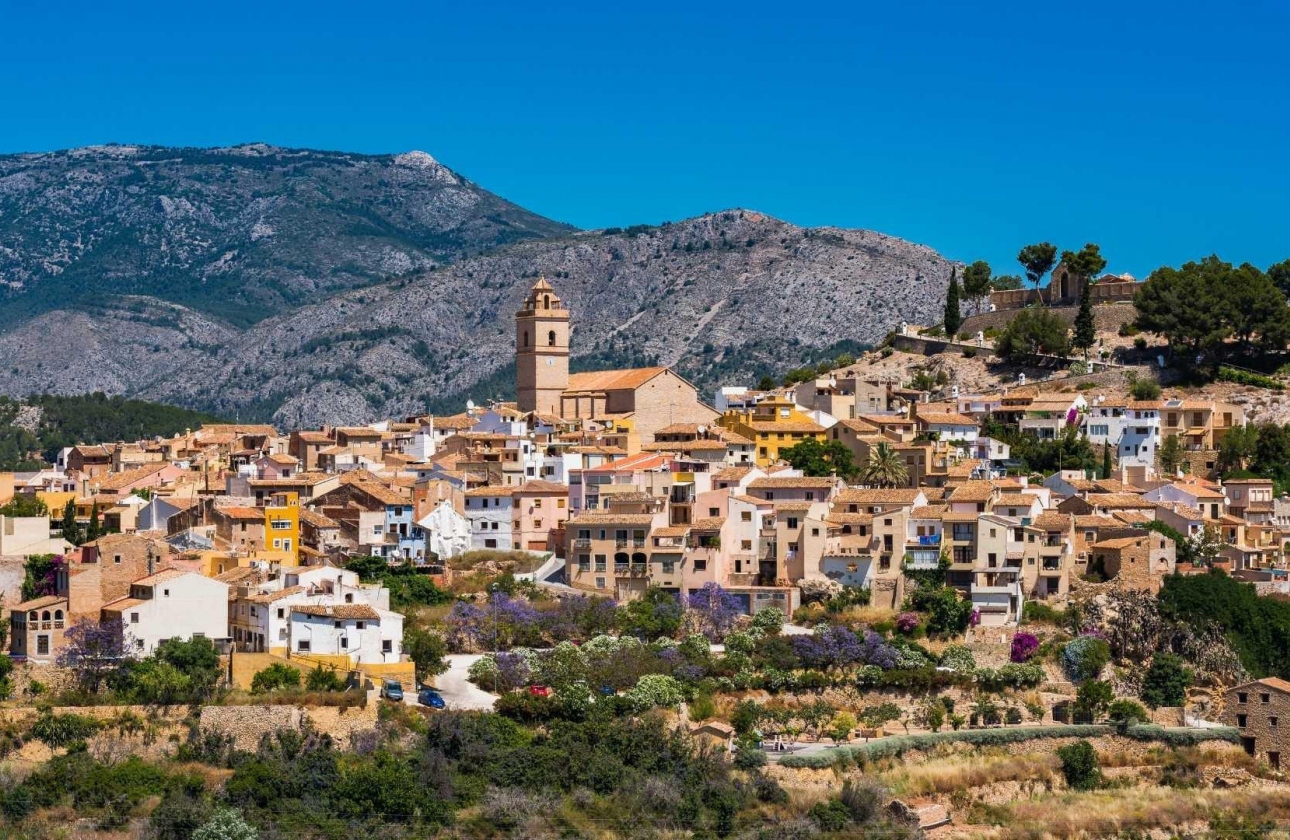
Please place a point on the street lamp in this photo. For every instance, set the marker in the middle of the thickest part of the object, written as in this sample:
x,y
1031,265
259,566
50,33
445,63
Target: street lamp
x,y
492,598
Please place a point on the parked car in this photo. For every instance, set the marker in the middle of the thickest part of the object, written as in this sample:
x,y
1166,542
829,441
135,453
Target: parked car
x,y
392,690
430,697
539,691
607,691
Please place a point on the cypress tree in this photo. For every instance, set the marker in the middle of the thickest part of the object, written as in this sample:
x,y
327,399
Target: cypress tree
x,y
92,530
1106,461
71,530
953,318
1085,332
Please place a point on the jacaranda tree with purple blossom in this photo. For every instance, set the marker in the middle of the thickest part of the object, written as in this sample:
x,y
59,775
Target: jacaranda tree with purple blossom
x,y
830,646
874,650
713,610
92,650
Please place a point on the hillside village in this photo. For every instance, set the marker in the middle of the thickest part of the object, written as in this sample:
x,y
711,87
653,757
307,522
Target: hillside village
x,y
976,532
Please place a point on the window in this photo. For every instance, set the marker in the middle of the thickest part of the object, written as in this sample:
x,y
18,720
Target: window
x,y
376,529
700,565
360,625
550,338
810,495
42,645
282,613
745,516
387,646
1265,698
134,618
559,503
165,593
1272,721
600,583
584,562
714,511
277,544
344,642
338,624
745,545
302,646
1240,721
600,562
792,522
281,525
116,558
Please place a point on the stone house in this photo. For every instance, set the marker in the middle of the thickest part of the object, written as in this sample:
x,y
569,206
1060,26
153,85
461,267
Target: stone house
x,y
1257,709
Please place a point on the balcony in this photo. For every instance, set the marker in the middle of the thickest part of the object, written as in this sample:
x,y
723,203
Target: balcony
x,y
638,542
582,542
631,569
924,539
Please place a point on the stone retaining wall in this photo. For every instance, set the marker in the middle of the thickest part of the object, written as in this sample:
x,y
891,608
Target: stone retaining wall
x,y
247,724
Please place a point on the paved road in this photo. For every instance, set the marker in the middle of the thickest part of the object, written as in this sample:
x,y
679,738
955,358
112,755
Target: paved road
x,y
459,692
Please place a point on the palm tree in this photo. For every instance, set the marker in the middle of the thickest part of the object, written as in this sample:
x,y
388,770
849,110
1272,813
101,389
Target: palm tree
x,y
885,467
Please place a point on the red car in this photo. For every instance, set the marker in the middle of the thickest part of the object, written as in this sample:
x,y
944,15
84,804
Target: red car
x,y
539,691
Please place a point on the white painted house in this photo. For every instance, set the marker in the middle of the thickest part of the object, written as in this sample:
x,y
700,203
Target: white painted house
x,y
366,635
1132,427
489,511
171,604
447,532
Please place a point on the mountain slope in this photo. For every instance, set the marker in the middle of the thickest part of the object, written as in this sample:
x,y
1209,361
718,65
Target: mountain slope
x,y
239,233
723,297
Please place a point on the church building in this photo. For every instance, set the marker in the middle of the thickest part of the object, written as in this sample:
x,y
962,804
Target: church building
x,y
649,398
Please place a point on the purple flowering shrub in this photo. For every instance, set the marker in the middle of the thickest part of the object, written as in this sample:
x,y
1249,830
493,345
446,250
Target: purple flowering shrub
x,y
1024,646
907,622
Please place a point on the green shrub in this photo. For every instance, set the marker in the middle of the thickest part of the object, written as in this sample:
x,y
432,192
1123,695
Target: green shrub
x,y
275,677
860,754
62,730
1080,766
1140,343
1243,377
1085,657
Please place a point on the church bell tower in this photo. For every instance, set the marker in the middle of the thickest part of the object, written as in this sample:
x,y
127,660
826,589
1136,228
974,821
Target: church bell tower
x,y
541,350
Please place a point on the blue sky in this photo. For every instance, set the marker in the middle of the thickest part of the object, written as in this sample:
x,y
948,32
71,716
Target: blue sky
x,y
1159,130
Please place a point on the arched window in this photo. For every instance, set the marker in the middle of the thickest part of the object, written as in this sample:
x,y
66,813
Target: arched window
x,y
639,558
58,615
546,301
44,616
526,338
33,616
621,557
550,338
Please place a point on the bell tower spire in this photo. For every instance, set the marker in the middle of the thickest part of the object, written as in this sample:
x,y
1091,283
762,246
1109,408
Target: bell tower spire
x,y
541,350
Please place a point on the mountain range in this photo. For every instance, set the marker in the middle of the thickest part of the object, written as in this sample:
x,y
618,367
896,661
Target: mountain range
x,y
311,287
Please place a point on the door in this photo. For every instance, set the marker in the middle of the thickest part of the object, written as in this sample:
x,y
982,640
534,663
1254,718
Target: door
x,y
1274,760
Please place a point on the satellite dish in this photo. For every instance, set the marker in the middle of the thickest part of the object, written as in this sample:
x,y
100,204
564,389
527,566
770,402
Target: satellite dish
x,y
703,430
470,405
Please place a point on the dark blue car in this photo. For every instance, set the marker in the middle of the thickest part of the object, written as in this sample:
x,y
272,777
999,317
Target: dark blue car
x,y
430,697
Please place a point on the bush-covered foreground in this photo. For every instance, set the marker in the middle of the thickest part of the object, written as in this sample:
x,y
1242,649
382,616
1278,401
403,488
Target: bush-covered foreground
x,y
472,774
861,754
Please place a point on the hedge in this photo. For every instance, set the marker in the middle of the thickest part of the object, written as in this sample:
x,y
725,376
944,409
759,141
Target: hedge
x,y
895,746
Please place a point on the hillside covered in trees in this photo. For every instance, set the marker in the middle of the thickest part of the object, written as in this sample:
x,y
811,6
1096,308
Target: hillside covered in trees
x,y
32,430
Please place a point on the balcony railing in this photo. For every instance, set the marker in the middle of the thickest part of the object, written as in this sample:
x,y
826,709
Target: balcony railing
x,y
633,569
582,542
638,542
925,539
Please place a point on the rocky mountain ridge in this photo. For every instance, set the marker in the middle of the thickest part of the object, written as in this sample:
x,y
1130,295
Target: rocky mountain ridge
x,y
723,297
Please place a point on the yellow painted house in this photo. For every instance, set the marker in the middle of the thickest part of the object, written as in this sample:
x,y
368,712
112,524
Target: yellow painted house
x,y
282,530
774,424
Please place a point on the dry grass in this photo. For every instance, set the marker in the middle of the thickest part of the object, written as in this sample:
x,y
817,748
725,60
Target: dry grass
x,y
1215,755
514,561
959,772
1114,813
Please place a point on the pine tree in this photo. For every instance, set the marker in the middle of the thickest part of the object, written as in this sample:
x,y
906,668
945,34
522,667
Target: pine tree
x,y
953,317
1085,331
71,530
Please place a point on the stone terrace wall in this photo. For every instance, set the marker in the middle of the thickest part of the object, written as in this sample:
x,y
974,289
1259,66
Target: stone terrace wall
x,y
247,724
